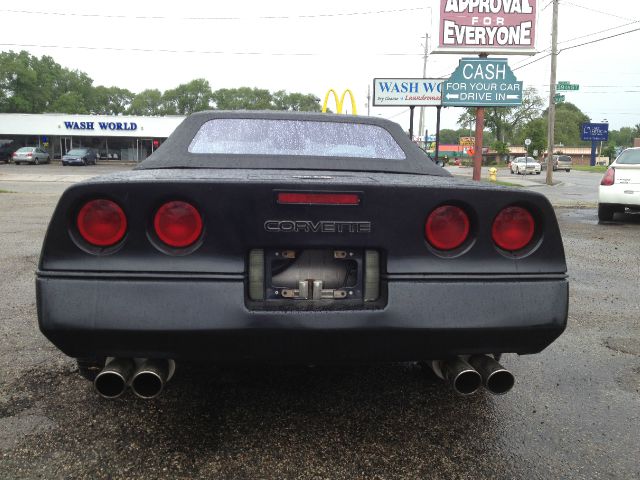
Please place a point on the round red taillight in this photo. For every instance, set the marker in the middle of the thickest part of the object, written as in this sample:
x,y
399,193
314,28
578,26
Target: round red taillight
x,y
102,222
178,224
513,228
447,227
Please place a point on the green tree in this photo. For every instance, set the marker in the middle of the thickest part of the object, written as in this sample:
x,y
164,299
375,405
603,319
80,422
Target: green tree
x,y
29,84
569,119
623,137
297,102
449,136
536,131
504,121
111,100
187,98
147,102
243,98
609,150
69,102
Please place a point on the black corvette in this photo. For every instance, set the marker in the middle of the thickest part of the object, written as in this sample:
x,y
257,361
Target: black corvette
x,y
297,238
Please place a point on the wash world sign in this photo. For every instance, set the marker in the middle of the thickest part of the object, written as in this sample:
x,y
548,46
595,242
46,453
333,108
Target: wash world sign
x,y
399,92
109,126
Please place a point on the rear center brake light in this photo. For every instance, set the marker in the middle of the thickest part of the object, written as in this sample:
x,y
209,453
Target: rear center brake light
x,y
101,222
305,198
513,228
178,224
447,227
609,177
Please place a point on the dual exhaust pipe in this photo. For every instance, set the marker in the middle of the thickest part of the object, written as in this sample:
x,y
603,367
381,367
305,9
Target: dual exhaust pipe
x,y
146,377
467,376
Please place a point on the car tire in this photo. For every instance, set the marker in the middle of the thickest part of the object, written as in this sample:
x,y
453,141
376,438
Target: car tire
x,y
605,212
511,171
537,173
567,170
84,162
517,171
36,161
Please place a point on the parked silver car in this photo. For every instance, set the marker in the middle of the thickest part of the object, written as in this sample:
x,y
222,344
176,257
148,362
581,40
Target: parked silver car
x,y
560,162
34,155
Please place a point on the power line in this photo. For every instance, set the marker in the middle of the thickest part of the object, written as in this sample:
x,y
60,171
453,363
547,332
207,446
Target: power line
x,y
598,11
263,17
204,52
548,49
599,39
578,45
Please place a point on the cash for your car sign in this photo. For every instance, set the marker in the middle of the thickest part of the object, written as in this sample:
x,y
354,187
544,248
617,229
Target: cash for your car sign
x,y
482,82
487,26
397,92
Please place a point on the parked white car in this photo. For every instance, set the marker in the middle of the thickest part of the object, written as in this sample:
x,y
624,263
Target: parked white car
x,y
525,165
620,186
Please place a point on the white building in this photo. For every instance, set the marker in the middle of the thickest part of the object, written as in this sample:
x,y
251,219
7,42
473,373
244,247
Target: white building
x,y
114,137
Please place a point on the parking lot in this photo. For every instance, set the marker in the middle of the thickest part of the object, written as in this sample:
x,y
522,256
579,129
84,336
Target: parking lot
x,y
574,412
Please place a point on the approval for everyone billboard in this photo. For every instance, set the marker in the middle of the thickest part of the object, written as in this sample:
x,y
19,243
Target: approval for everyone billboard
x,y
487,26
405,92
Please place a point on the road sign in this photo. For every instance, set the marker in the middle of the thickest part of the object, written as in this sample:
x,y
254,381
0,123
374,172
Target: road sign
x,y
527,141
594,132
467,141
482,82
563,86
558,98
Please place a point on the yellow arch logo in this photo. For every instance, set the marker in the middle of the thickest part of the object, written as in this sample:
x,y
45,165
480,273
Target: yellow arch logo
x,y
340,101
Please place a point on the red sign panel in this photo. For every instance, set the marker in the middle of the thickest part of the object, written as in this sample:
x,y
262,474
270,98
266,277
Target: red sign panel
x,y
491,26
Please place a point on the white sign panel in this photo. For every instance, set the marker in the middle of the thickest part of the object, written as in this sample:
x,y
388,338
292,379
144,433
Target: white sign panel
x,y
406,92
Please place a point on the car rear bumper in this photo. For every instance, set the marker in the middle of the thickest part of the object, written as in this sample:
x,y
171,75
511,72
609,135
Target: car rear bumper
x,y
623,195
205,319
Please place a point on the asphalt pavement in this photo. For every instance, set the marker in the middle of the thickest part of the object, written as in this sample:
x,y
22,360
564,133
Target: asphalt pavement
x,y
573,413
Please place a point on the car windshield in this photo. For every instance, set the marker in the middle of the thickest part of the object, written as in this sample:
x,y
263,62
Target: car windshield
x,y
629,157
25,150
252,136
77,151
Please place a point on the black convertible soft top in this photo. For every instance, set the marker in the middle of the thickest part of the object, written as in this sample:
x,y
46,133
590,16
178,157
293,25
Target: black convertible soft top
x,y
174,152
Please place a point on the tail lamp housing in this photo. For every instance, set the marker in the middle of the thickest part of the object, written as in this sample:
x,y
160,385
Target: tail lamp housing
x,y
513,228
101,223
178,224
609,177
447,227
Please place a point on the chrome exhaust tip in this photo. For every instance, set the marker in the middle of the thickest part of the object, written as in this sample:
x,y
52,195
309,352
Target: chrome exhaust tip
x,y
151,376
113,379
495,378
462,377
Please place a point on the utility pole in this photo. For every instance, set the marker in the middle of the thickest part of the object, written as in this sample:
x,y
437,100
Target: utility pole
x,y
369,100
552,93
424,75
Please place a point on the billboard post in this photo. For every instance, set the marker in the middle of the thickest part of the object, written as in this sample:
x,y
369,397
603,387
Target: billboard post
x,y
485,27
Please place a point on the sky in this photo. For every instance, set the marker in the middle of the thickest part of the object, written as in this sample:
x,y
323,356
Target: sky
x,y
311,47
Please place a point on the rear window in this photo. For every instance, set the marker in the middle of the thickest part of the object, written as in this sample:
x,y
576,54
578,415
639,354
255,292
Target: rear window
x,y
77,151
629,157
251,136
25,150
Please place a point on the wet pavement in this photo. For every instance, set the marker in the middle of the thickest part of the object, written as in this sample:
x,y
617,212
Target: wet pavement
x,y
574,412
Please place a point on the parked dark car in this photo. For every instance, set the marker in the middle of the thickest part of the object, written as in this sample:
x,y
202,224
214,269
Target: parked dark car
x,y
80,156
6,151
287,237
